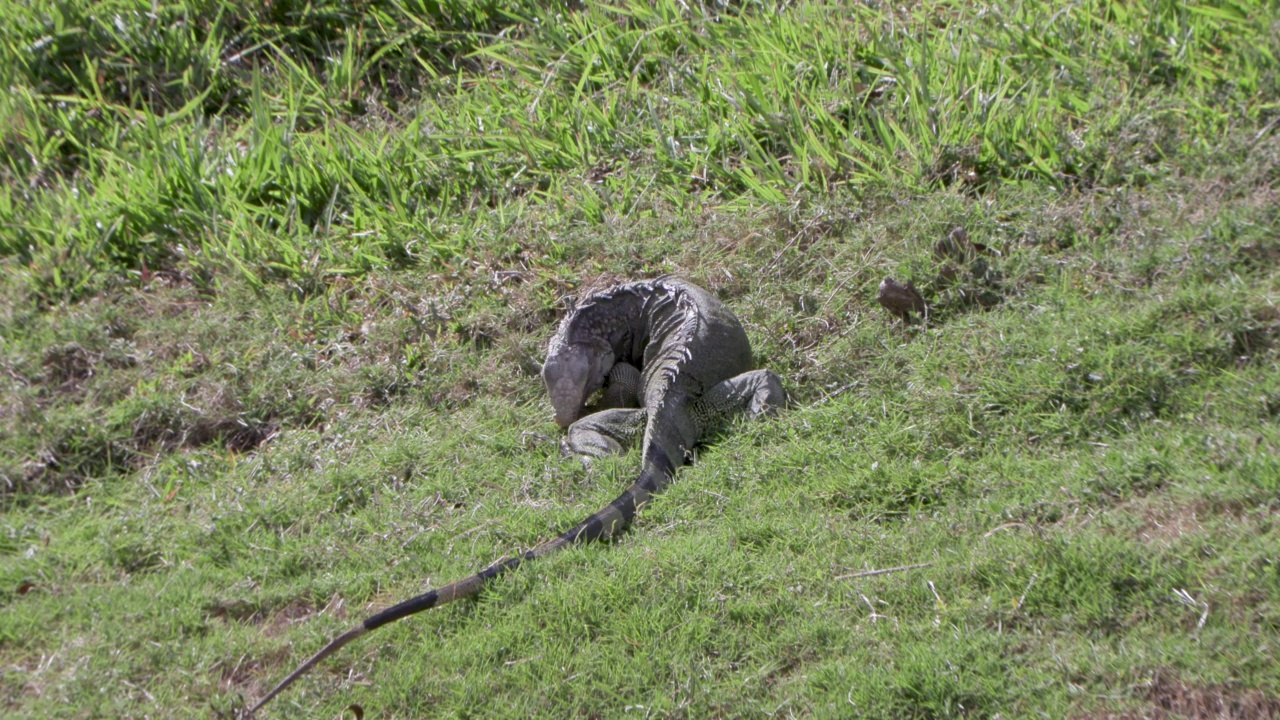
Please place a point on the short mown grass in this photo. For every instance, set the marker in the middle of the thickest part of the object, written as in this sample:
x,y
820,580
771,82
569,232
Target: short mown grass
x,y
275,283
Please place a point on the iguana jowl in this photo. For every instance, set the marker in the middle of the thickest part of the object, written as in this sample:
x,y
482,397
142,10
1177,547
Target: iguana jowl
x,y
676,365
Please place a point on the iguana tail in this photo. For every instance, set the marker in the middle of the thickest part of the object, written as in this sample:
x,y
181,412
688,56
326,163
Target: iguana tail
x,y
611,519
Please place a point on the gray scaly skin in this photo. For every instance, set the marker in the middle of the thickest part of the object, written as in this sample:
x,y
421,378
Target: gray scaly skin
x,y
693,358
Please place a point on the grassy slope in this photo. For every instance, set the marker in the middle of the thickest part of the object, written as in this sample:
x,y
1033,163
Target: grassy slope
x,y
277,285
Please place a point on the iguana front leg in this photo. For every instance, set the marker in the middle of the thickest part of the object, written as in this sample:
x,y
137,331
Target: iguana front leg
x,y
604,433
622,389
611,425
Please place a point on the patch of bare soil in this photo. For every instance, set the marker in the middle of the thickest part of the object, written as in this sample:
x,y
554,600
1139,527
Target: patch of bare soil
x,y
1171,699
1165,521
272,622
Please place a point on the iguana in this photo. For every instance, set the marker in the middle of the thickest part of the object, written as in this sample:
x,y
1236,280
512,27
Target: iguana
x,y
673,363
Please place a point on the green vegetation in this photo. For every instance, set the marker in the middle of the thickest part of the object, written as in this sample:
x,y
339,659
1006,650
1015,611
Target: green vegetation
x,y
274,282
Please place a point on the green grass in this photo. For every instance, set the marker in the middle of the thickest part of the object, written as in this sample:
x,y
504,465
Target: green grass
x,y
274,284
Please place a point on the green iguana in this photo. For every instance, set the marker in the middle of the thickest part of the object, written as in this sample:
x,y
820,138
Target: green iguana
x,y
673,364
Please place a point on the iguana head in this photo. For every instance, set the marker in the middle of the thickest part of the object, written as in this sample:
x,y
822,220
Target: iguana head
x,y
572,372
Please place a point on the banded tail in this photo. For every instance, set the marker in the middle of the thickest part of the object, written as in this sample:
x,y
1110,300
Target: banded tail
x,y
611,519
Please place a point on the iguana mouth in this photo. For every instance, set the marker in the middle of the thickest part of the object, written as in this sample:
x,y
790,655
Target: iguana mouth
x,y
567,401
565,420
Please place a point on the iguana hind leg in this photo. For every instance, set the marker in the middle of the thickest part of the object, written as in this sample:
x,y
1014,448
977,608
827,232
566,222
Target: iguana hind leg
x,y
754,393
